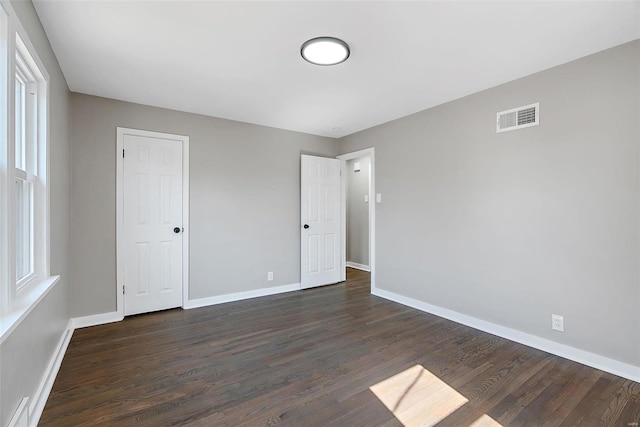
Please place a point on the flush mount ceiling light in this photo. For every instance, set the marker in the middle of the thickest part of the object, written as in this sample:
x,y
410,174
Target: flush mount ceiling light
x,y
325,51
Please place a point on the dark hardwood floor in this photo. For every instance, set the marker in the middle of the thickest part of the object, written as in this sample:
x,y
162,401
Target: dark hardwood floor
x,y
331,356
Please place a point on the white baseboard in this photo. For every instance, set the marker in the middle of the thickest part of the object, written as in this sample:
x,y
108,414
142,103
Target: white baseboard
x,y
96,319
358,266
46,384
221,299
612,366
20,418
114,316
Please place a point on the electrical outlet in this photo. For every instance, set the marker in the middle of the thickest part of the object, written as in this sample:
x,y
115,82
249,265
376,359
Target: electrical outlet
x,y
270,276
557,323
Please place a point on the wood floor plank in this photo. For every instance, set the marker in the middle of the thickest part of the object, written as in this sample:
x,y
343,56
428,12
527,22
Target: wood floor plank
x,y
317,358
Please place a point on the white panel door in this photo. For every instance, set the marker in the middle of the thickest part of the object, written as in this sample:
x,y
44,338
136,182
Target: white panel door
x,y
320,219
152,224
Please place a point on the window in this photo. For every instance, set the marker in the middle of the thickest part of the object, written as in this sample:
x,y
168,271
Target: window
x,y
24,252
25,110
27,198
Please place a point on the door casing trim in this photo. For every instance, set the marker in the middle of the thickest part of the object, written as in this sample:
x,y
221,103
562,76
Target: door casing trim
x,y
120,133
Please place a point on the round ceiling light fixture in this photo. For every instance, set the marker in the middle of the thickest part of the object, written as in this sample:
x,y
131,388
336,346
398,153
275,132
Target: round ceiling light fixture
x,y
325,51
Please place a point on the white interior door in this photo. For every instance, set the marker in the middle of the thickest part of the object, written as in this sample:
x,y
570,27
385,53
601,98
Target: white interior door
x,y
320,220
152,224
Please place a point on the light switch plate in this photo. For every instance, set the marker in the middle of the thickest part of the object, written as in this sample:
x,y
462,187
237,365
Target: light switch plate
x,y
379,198
366,198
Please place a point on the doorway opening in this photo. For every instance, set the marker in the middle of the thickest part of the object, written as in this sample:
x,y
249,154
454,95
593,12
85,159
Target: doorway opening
x,y
358,212
358,176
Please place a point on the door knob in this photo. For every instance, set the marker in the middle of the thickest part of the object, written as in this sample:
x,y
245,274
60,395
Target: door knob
x,y
306,226
176,230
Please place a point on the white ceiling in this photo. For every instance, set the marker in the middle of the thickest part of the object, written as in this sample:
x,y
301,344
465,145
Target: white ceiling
x,y
240,60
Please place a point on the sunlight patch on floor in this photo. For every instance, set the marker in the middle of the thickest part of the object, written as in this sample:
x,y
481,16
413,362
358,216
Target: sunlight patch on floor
x,y
418,398
485,421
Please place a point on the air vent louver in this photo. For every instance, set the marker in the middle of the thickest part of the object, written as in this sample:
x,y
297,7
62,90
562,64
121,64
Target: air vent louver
x,y
518,118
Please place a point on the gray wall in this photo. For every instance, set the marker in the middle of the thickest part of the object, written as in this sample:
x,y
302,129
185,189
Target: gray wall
x,y
513,227
358,212
245,199
25,354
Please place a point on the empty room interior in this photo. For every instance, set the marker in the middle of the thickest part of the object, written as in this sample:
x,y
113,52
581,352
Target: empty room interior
x,y
326,213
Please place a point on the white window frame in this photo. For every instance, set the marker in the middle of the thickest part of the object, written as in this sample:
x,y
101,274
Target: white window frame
x,y
18,298
28,172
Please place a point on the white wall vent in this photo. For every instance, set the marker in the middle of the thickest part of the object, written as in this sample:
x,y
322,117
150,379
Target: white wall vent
x,y
21,416
518,118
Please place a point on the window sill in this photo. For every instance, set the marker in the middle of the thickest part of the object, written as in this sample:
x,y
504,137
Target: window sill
x,y
24,304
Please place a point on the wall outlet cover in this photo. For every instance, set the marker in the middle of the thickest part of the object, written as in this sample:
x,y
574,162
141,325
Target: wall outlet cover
x,y
557,322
